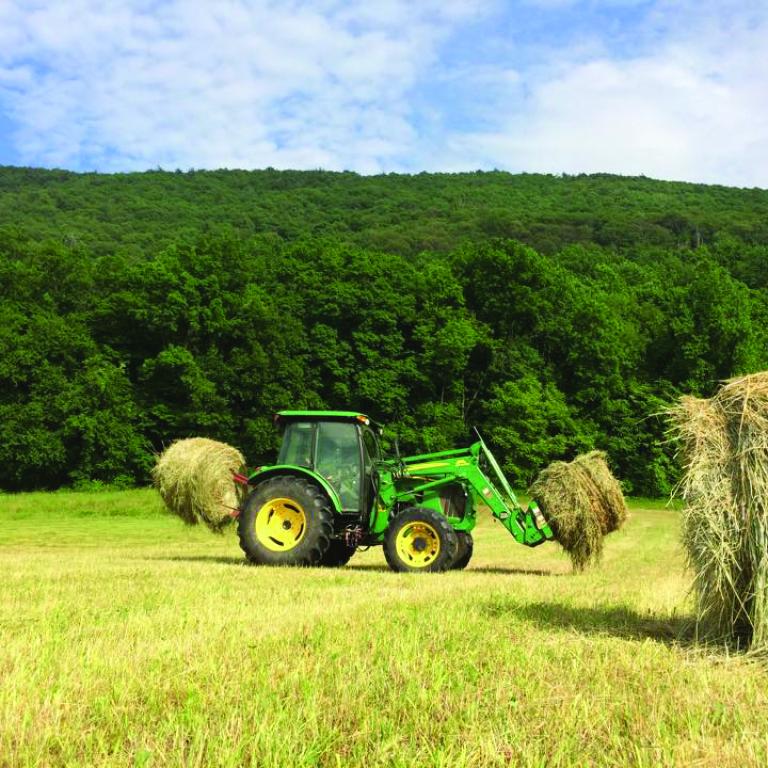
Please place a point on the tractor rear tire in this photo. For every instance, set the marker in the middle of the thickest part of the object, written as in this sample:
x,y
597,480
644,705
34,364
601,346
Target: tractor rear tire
x,y
420,540
286,520
337,554
464,550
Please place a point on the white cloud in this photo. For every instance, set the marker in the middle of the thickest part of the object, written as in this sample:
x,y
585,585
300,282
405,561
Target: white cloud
x,y
692,107
133,84
191,83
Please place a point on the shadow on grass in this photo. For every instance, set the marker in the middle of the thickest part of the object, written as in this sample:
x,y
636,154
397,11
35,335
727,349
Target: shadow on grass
x,y
242,562
512,571
621,622
372,568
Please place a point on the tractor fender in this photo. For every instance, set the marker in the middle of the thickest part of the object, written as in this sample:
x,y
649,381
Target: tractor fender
x,y
256,478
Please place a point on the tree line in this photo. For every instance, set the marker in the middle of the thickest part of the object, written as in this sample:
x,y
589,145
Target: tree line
x,y
118,335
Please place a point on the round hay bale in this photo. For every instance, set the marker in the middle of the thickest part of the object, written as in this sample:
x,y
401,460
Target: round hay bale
x,y
583,502
724,453
194,478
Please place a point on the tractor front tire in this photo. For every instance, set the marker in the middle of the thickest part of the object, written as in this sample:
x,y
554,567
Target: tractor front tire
x,y
420,540
337,554
463,551
286,520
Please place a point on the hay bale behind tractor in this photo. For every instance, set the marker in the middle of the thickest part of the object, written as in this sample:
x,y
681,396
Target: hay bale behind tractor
x,y
583,502
194,478
724,445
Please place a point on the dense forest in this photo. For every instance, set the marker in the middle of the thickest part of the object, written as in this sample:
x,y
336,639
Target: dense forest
x,y
556,314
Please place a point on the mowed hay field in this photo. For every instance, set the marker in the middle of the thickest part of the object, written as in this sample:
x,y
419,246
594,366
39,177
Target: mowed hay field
x,y
128,639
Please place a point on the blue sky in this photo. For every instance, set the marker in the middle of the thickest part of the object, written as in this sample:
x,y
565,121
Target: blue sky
x,y
672,90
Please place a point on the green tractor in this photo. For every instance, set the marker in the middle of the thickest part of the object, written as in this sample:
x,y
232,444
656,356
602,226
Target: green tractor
x,y
331,491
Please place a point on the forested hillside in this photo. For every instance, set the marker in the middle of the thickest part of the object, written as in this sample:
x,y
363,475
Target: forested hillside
x,y
554,313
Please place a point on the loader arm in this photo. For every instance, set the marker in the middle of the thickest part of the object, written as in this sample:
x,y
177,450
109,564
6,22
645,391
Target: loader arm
x,y
428,472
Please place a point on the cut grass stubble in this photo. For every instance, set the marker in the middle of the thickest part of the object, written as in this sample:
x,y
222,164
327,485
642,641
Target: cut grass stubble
x,y
136,640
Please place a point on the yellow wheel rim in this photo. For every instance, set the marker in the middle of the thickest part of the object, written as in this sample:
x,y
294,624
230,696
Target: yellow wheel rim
x,y
418,544
280,524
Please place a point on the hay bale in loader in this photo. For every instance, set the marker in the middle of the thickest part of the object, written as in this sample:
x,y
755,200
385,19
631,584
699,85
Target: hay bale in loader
x,y
583,502
194,478
724,450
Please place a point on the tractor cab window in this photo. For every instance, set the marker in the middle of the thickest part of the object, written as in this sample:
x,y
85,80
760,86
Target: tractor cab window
x,y
338,460
297,444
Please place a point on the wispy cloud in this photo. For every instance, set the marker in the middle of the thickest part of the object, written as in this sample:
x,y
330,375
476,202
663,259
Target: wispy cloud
x,y
690,103
667,89
193,83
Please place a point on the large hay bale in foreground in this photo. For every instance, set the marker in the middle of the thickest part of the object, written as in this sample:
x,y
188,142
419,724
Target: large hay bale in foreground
x,y
710,527
194,478
724,447
583,502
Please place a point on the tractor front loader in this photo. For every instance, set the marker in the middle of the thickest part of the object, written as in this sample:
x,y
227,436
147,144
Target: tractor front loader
x,y
331,491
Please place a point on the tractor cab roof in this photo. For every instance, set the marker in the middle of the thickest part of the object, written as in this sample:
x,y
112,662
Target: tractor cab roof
x,y
282,417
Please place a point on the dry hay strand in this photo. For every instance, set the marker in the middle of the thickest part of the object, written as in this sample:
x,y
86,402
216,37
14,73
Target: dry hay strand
x,y
583,502
724,451
194,478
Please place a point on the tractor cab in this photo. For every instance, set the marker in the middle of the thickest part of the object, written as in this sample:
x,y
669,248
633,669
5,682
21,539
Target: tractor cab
x,y
341,446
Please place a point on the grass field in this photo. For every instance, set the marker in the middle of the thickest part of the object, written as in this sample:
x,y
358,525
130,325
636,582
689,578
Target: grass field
x,y
130,640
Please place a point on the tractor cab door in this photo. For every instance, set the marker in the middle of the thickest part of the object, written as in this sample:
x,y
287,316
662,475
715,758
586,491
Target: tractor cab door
x,y
371,457
338,457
